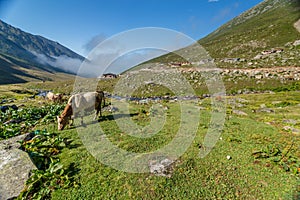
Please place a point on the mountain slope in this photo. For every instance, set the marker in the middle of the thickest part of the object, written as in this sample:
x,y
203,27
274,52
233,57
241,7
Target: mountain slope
x,y
265,27
25,57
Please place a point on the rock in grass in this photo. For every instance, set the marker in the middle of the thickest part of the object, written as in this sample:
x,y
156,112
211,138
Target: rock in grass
x,y
15,166
290,121
161,168
266,110
238,112
292,129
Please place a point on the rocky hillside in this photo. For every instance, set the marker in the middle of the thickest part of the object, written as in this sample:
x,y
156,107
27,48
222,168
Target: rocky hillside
x,y
18,43
263,36
25,57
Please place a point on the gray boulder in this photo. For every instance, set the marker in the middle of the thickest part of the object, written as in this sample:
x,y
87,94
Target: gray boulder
x,y
15,166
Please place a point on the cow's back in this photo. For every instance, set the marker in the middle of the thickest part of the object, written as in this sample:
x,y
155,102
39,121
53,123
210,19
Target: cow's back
x,y
83,100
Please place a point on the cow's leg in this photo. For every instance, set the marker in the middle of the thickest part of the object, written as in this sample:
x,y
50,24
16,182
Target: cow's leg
x,y
72,120
97,113
98,108
81,120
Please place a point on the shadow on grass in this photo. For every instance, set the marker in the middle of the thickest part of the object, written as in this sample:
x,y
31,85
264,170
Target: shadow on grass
x,y
72,170
100,119
116,116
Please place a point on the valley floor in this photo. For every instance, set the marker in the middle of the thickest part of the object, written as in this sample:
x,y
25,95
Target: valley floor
x,y
256,155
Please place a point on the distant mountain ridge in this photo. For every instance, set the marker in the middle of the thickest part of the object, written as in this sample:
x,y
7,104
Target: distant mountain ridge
x,y
12,37
21,53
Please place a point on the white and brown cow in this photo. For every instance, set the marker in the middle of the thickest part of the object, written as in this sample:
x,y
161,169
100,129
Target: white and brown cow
x,y
79,103
54,97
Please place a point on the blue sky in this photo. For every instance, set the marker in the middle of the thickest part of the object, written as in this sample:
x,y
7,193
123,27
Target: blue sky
x,y
77,24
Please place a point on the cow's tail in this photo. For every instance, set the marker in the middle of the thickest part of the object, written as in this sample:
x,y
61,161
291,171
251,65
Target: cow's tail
x,y
103,100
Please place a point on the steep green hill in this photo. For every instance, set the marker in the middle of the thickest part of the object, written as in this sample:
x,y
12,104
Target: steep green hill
x,y
265,27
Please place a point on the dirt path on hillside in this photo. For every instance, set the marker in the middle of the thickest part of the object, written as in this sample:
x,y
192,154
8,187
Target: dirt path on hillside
x,y
297,25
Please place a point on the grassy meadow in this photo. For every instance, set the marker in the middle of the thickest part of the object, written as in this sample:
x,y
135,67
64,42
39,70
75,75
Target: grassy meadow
x,y
256,156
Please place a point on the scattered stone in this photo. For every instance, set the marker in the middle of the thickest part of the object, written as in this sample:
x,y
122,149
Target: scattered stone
x,y
166,108
161,168
143,101
266,110
276,102
239,105
238,112
206,95
263,106
259,76
290,121
257,57
292,129
242,100
12,121
110,108
296,43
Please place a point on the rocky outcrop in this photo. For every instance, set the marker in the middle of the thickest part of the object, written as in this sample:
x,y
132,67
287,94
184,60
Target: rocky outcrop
x,y
297,25
282,73
15,166
296,43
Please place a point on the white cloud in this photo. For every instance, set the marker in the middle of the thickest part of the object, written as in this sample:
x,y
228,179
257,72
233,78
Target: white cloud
x,y
62,62
212,1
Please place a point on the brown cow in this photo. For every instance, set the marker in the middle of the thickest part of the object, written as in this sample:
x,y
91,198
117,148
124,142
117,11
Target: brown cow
x,y
79,103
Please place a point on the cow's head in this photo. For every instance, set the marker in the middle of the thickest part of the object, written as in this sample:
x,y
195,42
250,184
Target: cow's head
x,y
61,122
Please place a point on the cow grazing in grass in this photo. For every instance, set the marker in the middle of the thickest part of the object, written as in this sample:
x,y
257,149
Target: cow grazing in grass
x,y
80,103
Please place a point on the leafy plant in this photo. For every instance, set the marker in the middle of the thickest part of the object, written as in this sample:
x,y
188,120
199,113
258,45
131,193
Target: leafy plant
x,y
43,147
283,158
50,173
16,122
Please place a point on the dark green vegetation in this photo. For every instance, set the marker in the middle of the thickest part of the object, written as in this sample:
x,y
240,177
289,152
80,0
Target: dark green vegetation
x,y
16,122
50,174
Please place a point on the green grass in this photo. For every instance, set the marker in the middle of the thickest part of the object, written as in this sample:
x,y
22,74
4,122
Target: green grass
x,y
212,177
258,28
